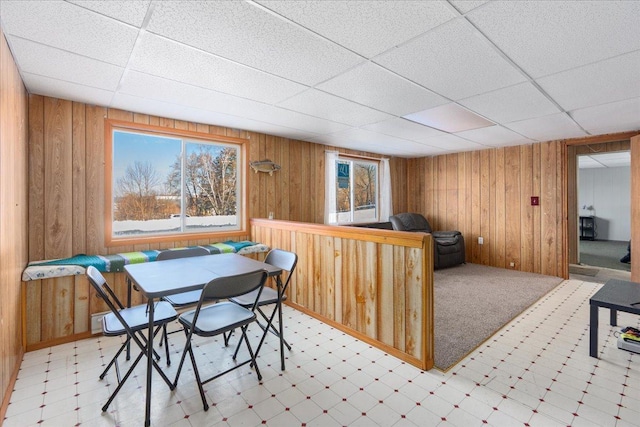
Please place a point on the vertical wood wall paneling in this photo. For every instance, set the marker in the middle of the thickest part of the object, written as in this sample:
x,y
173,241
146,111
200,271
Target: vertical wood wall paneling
x,y
36,177
549,204
493,189
526,210
94,179
512,195
485,199
79,222
14,220
58,183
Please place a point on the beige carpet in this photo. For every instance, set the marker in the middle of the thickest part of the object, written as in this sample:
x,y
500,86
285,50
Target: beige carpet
x,y
474,301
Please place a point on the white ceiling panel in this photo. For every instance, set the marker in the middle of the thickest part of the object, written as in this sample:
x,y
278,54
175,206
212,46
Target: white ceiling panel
x,y
373,86
325,106
510,104
452,143
130,12
404,129
247,34
609,118
600,83
358,139
453,61
46,86
494,136
545,37
465,6
605,160
449,118
169,91
547,128
162,109
69,27
54,63
382,24
539,70
171,60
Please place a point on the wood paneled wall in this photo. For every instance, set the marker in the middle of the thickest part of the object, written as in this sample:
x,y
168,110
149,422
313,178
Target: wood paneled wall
x,y
66,200
13,217
66,182
488,194
376,285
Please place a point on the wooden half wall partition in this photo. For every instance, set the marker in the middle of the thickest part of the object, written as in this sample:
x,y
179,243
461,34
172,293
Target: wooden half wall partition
x,y
376,285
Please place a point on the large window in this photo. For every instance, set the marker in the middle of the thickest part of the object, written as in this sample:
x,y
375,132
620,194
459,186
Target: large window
x,y
356,191
165,183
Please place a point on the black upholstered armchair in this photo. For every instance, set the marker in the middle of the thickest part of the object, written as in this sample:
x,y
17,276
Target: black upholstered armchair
x,y
448,245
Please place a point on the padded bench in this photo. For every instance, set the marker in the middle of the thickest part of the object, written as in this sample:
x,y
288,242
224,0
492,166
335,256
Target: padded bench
x,y
77,265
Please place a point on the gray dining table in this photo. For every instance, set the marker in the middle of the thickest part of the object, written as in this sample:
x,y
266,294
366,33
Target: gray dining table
x,y
163,278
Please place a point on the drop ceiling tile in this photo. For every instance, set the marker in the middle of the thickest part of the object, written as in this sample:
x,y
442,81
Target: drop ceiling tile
x,y
131,12
175,61
381,24
546,37
586,162
449,118
405,129
248,34
547,128
608,118
453,61
373,86
453,144
325,106
494,136
71,28
356,139
465,6
57,64
510,104
607,81
169,91
164,109
40,85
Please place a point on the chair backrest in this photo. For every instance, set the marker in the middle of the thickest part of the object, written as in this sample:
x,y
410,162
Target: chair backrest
x,y
233,286
182,253
284,260
103,289
410,222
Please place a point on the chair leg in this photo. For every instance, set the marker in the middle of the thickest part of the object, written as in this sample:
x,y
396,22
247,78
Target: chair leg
x,y
253,357
114,360
121,383
166,343
205,405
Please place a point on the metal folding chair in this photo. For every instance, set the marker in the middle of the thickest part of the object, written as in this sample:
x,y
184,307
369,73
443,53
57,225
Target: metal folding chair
x,y
129,321
286,261
220,318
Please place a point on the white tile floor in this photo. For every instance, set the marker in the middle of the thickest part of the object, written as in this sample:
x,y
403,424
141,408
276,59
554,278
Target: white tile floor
x,y
536,371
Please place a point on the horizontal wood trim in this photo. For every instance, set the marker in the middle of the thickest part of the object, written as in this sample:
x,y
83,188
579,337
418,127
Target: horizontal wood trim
x,y
390,237
57,341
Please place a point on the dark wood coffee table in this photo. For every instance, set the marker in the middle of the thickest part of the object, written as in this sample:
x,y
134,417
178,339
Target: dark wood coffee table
x,y
616,295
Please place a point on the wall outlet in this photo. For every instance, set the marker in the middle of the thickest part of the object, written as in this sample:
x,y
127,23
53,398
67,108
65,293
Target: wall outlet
x,y
512,264
480,240
96,322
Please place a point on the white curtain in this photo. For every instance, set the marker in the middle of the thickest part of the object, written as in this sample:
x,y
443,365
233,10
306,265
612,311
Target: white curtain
x,y
386,202
330,216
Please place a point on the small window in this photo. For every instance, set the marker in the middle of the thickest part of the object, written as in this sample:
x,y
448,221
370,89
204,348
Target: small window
x,y
165,183
356,191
